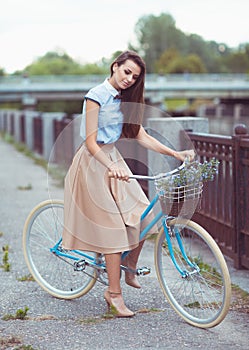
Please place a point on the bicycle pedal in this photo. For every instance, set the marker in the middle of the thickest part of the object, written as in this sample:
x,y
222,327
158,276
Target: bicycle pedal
x,y
142,271
80,265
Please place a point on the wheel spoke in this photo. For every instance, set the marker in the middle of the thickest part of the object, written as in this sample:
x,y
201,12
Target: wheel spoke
x,y
42,231
202,295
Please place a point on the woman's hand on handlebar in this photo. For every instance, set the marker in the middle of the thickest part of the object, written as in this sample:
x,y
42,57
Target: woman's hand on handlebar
x,y
187,154
118,172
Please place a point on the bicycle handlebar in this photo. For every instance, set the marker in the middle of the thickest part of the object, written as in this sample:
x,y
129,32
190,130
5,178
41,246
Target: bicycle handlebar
x,y
156,177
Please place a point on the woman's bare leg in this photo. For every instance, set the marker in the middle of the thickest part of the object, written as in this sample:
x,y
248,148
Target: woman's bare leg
x,y
131,261
113,295
113,262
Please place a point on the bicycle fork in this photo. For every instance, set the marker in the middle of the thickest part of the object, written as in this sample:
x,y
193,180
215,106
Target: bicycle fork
x,y
168,234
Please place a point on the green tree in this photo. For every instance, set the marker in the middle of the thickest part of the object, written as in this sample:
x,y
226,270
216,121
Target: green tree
x,y
2,72
54,63
171,61
195,64
91,68
238,61
164,61
155,35
106,62
207,51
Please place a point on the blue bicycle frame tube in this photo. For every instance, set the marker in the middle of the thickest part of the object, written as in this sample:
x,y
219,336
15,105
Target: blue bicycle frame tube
x,y
66,255
166,231
150,225
150,206
154,221
179,241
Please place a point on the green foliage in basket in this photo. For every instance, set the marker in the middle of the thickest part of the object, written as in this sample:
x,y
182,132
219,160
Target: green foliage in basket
x,y
192,173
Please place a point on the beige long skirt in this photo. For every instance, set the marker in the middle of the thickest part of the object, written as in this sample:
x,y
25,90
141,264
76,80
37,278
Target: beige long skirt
x,y
101,214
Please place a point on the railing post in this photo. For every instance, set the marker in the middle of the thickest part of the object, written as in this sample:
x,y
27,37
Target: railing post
x,y
240,131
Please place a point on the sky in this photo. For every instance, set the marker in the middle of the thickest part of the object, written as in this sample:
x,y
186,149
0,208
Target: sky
x,y
88,30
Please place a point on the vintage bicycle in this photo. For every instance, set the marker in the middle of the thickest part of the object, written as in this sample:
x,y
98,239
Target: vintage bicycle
x,y
189,265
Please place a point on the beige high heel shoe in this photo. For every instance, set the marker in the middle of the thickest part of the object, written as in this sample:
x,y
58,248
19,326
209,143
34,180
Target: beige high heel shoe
x,y
130,278
116,304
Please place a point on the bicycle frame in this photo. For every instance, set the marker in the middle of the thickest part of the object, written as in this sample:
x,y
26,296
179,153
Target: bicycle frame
x,y
189,265
91,261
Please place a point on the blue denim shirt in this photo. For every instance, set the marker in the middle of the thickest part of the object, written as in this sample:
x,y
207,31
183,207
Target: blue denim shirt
x,y
110,121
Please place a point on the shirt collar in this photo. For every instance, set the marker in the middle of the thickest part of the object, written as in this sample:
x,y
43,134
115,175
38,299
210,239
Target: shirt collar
x,y
110,88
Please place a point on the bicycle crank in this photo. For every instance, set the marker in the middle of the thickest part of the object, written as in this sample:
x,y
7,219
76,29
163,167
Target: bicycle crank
x,y
142,271
80,265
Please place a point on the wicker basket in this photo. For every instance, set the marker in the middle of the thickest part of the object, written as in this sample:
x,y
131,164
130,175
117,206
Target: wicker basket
x,y
181,201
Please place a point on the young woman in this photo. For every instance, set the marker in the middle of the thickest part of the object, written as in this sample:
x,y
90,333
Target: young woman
x,y
102,213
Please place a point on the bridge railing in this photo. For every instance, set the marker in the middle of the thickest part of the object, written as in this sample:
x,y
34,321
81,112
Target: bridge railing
x,y
96,78
225,204
39,132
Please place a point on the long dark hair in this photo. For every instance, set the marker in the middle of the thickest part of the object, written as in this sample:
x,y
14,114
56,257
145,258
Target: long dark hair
x,y
133,97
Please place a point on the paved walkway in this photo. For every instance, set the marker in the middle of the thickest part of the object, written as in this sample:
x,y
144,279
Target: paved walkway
x,y
60,324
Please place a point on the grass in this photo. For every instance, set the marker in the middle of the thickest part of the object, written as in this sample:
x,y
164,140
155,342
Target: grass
x,y
26,278
240,300
174,104
25,347
6,265
28,187
57,173
239,303
21,314
112,314
9,342
22,148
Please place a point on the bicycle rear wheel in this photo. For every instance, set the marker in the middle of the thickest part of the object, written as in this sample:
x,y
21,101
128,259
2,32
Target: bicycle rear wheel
x,y
202,296
57,276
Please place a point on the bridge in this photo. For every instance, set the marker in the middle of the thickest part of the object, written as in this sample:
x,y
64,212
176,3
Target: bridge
x,y
29,90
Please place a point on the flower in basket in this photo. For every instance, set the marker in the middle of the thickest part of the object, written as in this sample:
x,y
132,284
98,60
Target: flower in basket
x,y
180,194
191,175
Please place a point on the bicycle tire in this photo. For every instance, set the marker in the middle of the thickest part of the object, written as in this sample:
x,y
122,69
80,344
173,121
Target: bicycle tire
x,y
202,299
42,230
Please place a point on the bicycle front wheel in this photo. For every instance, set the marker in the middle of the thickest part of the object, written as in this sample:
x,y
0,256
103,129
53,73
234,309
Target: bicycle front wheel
x,y
55,274
201,295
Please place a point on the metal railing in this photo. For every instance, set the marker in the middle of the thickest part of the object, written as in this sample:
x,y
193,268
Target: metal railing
x,y
225,205
93,78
